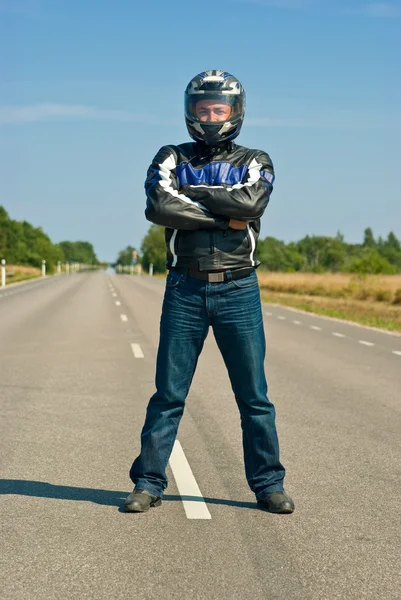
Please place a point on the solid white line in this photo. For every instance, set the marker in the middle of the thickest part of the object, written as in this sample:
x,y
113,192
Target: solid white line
x,y
397,352
338,334
316,328
282,318
186,484
124,317
137,350
297,322
118,303
366,343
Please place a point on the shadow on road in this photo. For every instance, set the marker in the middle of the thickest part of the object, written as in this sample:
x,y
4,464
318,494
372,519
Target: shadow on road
x,y
41,489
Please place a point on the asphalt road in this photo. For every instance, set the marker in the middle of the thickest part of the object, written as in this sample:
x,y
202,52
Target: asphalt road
x,y
77,361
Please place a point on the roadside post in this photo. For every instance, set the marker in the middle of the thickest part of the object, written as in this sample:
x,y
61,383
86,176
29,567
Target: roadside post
x,y
43,268
151,269
58,266
3,273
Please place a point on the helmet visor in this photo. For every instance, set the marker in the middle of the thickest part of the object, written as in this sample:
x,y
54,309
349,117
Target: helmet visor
x,y
213,108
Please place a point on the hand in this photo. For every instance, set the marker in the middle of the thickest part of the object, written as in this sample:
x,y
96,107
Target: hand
x,y
235,224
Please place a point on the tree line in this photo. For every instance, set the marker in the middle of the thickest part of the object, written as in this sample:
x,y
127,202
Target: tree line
x,y
23,244
313,253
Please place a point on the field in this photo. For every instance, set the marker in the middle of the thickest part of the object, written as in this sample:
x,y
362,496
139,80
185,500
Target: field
x,y
17,273
373,300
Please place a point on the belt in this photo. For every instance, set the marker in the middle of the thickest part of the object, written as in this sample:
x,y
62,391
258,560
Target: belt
x,y
217,276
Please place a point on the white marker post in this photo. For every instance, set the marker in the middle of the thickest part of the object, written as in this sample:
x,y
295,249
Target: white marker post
x,y
151,270
3,273
43,268
58,267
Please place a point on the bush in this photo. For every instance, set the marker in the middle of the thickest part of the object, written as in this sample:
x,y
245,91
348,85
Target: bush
x,y
397,297
383,295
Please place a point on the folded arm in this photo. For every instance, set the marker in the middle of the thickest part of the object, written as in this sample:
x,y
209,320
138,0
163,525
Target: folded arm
x,y
166,206
245,201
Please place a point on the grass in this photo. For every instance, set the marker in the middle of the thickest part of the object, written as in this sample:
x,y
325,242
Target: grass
x,y
373,300
16,273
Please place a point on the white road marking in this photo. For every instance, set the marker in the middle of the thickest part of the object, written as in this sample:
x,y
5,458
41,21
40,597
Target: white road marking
x,y
316,328
114,295
124,317
282,318
366,343
137,350
268,314
397,352
187,486
297,322
118,303
338,334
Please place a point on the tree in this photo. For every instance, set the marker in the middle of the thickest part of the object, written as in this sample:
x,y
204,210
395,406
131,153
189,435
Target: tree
x,y
154,249
23,244
80,252
125,256
391,250
369,239
274,255
369,261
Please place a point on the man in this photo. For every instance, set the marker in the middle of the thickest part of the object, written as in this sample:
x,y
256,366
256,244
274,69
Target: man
x,y
209,195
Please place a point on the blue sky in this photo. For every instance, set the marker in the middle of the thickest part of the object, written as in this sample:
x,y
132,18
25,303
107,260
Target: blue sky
x,y
91,89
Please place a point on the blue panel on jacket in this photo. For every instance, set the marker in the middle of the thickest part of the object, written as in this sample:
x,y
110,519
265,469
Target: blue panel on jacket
x,y
214,173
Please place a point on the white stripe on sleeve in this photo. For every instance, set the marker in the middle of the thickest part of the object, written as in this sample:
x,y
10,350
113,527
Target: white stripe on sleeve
x,y
165,169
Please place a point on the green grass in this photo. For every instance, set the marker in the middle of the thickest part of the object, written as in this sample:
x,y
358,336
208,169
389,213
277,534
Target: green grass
x,y
20,277
350,313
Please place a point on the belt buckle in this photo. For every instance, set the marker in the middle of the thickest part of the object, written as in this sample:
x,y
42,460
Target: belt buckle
x,y
215,277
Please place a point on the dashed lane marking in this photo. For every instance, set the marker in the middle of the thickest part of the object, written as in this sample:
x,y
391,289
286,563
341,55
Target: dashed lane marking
x,y
118,303
124,317
192,499
316,328
336,334
137,350
364,343
297,322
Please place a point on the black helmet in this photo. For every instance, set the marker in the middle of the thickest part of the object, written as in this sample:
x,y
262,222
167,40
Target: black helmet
x,y
223,88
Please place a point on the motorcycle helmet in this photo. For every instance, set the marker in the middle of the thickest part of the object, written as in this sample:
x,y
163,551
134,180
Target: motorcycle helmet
x,y
214,107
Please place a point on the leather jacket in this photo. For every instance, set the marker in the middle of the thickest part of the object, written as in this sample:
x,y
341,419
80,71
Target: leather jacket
x,y
193,190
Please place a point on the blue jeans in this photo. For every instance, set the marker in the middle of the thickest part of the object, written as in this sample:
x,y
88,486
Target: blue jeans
x,y
233,309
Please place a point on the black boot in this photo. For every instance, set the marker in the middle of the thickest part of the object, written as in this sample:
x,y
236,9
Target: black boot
x,y
277,502
140,501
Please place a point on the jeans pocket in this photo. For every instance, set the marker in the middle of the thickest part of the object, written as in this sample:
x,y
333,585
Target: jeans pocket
x,y
173,279
246,282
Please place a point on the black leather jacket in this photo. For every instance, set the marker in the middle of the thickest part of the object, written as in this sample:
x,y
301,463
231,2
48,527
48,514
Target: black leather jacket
x,y
193,190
